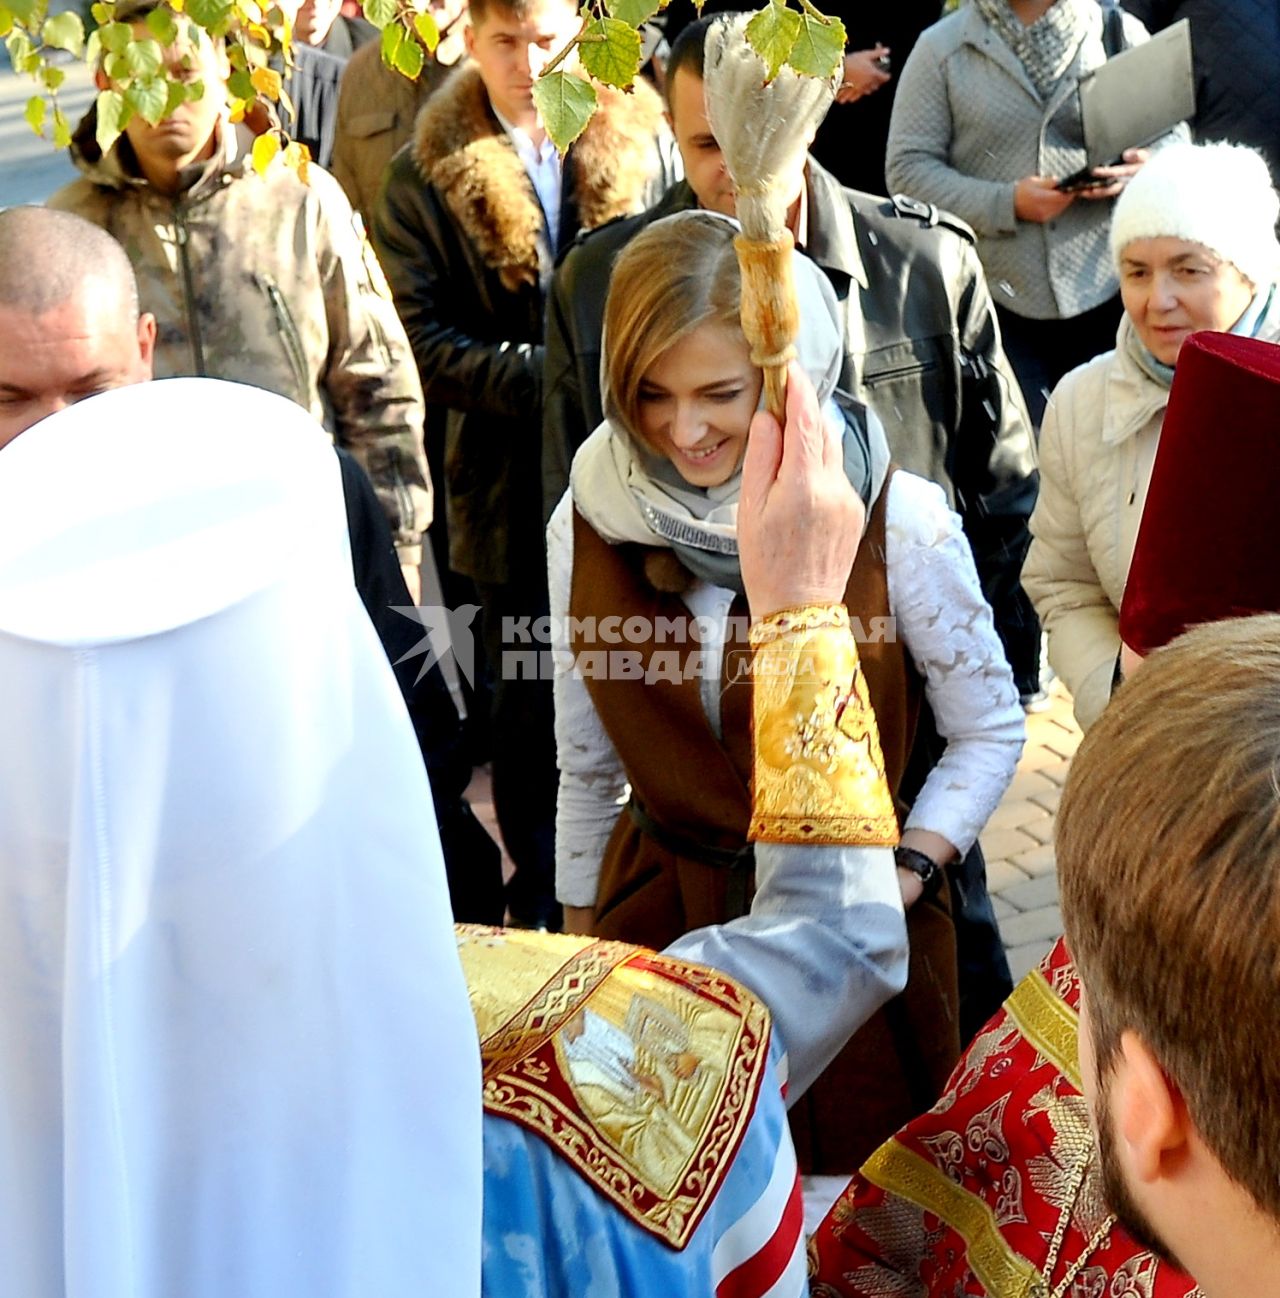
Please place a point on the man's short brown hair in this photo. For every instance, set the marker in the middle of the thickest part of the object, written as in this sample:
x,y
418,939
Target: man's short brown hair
x,y
1168,851
479,10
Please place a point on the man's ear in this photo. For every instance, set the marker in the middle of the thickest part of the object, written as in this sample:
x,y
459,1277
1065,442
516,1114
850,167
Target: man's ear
x,y
100,78
146,343
469,39
1149,1112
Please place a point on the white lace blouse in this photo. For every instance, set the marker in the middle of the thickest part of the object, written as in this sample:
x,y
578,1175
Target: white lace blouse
x,y
939,612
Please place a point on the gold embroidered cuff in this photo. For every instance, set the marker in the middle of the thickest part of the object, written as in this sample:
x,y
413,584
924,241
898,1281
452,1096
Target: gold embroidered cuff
x,y
818,772
801,617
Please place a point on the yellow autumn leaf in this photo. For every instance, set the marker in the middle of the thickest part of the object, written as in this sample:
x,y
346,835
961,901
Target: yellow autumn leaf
x,y
298,157
266,81
265,148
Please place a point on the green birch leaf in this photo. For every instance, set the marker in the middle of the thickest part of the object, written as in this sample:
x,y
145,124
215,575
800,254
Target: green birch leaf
x,y
818,48
163,25
116,68
34,113
64,31
102,13
148,97
772,34
112,115
143,59
428,31
240,85
116,37
177,97
381,12
409,57
22,53
61,129
209,14
52,77
6,22
633,12
392,39
610,52
565,104
22,10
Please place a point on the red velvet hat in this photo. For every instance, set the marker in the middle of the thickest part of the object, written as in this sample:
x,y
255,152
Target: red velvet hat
x,y
1208,547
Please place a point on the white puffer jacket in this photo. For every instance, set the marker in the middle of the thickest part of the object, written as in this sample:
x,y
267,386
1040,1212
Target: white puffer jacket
x,y
1097,448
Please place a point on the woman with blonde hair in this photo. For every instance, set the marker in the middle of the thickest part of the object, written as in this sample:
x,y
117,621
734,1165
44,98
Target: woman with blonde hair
x,y
646,600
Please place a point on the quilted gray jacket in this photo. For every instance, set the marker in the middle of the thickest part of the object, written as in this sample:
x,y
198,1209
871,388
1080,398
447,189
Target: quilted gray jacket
x,y
968,124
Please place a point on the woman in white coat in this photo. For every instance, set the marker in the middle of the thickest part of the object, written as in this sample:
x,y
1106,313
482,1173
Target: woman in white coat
x,y
1193,239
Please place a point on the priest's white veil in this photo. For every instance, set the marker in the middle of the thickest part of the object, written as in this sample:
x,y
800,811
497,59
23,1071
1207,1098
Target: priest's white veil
x,y
237,1058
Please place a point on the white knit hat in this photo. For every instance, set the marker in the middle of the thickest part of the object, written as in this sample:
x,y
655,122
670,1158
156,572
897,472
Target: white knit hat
x,y
1219,195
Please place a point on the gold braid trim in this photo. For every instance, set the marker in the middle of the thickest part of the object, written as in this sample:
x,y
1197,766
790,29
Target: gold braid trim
x,y
1048,1022
802,617
999,1267
818,772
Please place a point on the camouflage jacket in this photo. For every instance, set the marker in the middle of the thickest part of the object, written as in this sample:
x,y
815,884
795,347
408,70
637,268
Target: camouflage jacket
x,y
267,280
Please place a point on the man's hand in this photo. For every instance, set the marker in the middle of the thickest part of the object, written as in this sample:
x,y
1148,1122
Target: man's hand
x,y
1121,175
862,76
1038,199
799,520
413,579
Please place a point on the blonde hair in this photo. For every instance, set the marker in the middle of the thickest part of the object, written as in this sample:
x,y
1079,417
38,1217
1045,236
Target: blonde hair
x,y
1168,852
673,277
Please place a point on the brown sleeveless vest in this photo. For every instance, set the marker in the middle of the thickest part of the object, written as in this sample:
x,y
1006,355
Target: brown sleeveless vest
x,y
677,858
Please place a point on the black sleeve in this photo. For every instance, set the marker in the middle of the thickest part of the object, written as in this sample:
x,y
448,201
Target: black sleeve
x,y
1153,14
418,248
380,584
564,421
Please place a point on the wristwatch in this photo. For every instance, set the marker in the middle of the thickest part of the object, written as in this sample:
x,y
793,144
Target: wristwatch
x,y
925,868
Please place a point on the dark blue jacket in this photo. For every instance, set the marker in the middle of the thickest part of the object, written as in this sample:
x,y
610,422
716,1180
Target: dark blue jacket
x,y
1236,47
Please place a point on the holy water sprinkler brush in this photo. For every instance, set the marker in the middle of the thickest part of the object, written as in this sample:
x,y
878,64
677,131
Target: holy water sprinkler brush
x,y
764,129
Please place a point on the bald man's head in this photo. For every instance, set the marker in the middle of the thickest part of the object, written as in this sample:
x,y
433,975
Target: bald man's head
x,y
46,256
69,319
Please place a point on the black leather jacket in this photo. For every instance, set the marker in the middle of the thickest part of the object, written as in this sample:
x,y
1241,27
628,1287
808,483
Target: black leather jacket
x,y
922,349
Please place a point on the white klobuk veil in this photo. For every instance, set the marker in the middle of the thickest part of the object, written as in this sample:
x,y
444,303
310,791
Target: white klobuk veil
x,y
237,1058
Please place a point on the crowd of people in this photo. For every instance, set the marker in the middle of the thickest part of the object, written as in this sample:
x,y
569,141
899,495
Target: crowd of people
x,y
749,688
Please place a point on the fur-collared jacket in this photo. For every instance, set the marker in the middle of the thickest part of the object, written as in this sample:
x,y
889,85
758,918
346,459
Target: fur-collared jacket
x,y
462,237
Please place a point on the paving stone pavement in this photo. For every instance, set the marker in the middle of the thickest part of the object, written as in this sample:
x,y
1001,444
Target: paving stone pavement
x,y
1018,840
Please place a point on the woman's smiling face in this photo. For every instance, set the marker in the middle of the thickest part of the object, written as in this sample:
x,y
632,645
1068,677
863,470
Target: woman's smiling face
x,y
696,401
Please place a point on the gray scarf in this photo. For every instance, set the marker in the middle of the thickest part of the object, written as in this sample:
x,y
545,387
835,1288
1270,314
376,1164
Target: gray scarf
x,y
1047,47
628,493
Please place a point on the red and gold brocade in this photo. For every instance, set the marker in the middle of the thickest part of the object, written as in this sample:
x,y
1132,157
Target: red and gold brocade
x,y
995,1191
